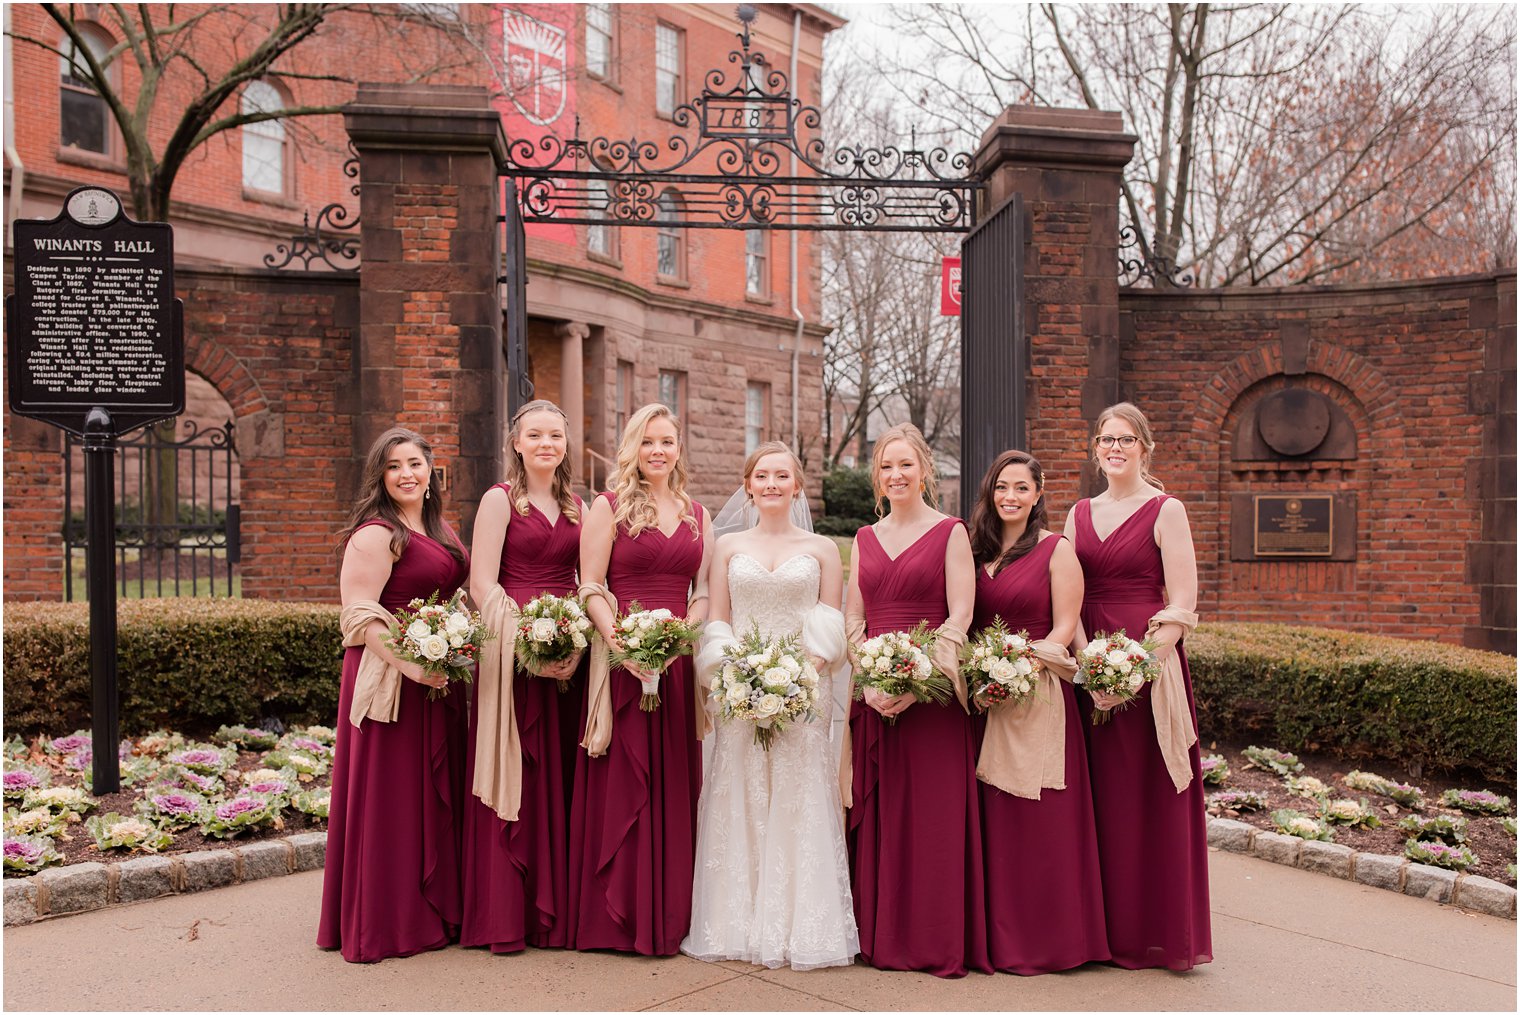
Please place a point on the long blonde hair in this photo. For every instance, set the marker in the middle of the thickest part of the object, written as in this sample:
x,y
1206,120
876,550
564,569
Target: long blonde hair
x,y
1130,413
914,438
517,471
634,506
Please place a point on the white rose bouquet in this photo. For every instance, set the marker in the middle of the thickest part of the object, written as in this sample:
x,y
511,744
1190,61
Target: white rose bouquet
x,y
898,663
551,629
999,667
770,683
444,637
651,639
1115,664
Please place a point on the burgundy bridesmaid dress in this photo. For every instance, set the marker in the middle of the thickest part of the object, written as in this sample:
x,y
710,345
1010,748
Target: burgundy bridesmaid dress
x,y
516,888
1044,896
391,885
1152,842
914,831
633,817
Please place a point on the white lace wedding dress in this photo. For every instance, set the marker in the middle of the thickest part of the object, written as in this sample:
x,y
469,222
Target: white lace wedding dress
x,y
772,883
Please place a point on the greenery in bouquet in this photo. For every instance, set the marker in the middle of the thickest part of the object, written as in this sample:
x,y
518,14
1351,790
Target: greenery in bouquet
x,y
550,629
1442,828
1270,760
898,662
1291,822
172,809
1351,813
315,802
1117,665
999,667
244,738
769,683
1236,800
28,854
243,814
1476,801
1215,769
114,831
1439,854
441,637
651,638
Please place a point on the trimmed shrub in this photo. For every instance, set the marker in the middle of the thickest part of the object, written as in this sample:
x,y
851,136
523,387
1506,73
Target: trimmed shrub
x,y
1361,697
847,494
829,525
187,664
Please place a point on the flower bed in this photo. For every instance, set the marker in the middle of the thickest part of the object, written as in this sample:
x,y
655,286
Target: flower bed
x,y
177,795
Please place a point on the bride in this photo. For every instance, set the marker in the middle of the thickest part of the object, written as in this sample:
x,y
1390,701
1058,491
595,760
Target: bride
x,y
772,883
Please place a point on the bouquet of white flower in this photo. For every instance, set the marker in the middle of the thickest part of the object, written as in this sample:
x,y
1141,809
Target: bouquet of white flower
x,y
651,638
1115,664
769,683
550,629
444,637
898,663
999,667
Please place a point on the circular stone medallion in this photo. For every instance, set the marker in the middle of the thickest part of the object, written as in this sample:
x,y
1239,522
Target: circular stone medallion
x,y
1293,421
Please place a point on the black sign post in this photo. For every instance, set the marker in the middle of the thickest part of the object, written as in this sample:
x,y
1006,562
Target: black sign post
x,y
95,346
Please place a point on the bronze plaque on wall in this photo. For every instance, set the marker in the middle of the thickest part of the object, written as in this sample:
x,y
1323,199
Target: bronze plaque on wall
x,y
1297,525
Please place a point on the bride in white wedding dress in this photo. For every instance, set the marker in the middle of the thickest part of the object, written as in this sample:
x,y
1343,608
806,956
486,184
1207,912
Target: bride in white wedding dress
x,y
772,882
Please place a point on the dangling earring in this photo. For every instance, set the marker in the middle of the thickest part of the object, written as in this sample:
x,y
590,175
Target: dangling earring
x,y
427,493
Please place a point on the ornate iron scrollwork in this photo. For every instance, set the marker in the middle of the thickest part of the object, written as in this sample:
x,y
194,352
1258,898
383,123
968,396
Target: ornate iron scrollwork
x,y
333,239
1148,265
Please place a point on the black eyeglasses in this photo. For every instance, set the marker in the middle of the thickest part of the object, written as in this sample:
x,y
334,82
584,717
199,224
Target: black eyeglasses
x,y
1126,442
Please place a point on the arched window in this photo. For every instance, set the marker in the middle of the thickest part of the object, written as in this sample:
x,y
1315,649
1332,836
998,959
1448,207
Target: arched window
x,y
264,161
670,262
84,119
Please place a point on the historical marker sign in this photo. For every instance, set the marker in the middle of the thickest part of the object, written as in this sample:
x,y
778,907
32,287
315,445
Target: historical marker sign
x,y
1302,525
94,322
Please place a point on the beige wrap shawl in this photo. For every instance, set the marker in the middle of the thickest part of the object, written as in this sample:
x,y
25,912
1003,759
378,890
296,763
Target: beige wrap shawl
x,y
498,748
377,685
1024,750
1169,705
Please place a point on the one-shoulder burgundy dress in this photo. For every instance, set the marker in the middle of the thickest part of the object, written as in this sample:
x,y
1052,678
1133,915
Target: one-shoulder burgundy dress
x,y
1044,894
914,832
392,883
1152,840
633,817
515,873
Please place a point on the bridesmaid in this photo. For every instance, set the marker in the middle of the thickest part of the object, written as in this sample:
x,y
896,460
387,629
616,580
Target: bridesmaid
x,y
914,832
1044,898
1136,552
634,812
391,885
517,843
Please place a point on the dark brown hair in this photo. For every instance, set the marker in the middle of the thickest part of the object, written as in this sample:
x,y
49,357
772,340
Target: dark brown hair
x,y
987,524
375,503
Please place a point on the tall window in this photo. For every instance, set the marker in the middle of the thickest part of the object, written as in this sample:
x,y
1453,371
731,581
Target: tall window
x,y
263,140
668,46
600,239
757,412
600,53
673,391
757,280
84,120
670,243
624,399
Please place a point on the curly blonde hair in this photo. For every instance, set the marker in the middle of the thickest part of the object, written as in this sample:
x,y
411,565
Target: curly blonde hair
x,y
634,506
517,472
914,438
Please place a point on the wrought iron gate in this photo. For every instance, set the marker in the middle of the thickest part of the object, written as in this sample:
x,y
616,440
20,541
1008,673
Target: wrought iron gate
x,y
514,283
177,516
994,354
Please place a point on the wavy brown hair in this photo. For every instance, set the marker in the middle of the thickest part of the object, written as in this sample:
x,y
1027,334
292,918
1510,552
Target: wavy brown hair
x,y
517,471
1130,413
375,503
634,507
987,524
914,438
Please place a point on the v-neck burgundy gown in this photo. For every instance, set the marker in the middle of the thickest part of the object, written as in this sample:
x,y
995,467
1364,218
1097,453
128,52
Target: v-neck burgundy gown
x,y
1152,841
914,831
515,873
633,819
392,885
1044,894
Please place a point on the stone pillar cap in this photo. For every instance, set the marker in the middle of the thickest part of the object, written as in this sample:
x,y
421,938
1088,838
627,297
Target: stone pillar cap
x,y
425,117
1043,136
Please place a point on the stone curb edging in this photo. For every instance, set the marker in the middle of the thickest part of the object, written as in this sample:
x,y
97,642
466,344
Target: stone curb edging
x,y
1395,873
82,887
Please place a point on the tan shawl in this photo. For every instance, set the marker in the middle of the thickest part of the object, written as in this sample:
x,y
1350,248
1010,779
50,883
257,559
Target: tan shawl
x,y
1024,749
1169,704
377,686
498,749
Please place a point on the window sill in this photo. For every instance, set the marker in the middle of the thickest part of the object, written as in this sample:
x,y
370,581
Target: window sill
x,y
609,260
767,301
674,283
605,81
70,155
272,200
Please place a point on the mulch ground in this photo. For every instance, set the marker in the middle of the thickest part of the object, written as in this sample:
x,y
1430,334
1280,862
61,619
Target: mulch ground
x,y
1486,837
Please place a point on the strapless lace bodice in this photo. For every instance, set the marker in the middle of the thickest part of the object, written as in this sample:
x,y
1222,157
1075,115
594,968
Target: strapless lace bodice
x,y
776,600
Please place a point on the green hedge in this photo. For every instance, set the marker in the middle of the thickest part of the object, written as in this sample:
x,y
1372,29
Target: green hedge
x,y
847,493
1360,697
185,664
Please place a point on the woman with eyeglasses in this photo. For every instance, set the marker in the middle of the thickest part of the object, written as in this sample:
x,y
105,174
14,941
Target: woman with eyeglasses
x,y
1136,552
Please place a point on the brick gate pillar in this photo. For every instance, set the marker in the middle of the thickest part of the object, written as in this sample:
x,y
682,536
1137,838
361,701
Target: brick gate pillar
x,y
429,353
1067,163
